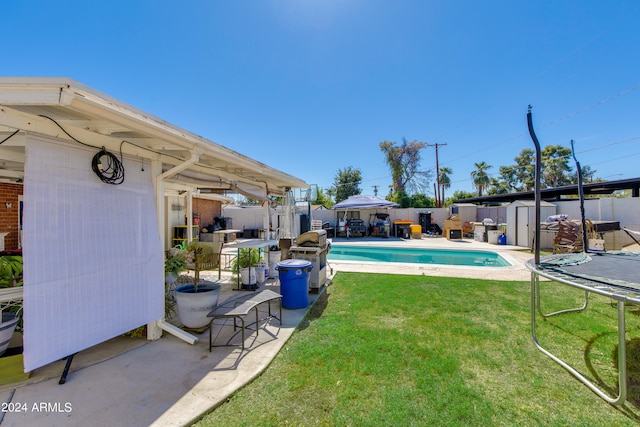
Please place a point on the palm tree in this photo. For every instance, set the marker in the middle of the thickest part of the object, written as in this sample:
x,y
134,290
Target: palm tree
x,y
445,181
480,177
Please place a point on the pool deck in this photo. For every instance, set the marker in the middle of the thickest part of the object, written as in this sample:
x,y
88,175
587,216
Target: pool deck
x,y
515,255
168,382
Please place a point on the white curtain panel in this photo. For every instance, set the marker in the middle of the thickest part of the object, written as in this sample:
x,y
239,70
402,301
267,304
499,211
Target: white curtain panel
x,y
93,260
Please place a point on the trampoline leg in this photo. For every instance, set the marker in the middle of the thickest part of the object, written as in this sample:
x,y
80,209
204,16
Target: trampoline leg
x,y
622,351
537,301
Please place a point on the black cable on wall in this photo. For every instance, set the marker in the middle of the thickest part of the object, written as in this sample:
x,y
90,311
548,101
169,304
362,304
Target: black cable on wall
x,y
107,167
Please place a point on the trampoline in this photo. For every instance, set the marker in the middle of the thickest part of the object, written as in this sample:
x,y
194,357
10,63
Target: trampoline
x,y
610,274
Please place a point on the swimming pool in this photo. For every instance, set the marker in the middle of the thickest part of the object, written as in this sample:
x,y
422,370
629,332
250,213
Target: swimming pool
x,y
417,256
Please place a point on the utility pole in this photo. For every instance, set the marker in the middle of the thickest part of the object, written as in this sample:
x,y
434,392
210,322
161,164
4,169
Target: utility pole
x,y
438,202
375,190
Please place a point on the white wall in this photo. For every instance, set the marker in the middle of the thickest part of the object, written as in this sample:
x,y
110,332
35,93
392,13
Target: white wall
x,y
176,217
250,217
497,213
625,210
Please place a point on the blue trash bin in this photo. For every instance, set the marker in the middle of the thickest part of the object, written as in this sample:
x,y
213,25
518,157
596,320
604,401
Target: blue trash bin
x,y
294,282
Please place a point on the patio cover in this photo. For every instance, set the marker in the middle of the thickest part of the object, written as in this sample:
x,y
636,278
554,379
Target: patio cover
x,y
55,126
364,202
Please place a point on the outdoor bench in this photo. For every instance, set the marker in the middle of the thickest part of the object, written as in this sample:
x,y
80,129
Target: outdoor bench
x,y
238,308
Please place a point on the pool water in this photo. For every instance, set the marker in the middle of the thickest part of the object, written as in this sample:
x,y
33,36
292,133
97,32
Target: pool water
x,y
417,256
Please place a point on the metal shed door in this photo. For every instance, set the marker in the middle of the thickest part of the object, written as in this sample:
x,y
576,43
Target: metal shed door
x,y
522,226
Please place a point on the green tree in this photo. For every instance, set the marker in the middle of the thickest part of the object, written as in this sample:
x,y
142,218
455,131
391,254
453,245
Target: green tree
x,y
459,195
402,199
587,175
480,177
445,181
404,162
421,200
556,170
525,170
324,198
499,186
346,183
514,178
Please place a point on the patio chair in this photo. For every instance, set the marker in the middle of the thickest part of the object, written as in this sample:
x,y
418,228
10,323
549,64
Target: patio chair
x,y
209,258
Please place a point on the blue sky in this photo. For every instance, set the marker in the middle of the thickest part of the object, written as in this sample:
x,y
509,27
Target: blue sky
x,y
313,86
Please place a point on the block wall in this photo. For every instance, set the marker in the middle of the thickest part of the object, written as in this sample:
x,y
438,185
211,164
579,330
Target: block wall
x,y
9,208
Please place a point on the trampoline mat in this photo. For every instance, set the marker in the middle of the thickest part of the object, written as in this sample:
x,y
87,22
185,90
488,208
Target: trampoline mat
x,y
619,269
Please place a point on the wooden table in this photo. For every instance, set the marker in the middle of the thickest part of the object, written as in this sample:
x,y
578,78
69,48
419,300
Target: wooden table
x,y
225,236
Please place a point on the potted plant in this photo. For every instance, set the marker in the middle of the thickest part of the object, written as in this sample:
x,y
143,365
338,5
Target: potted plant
x,y
196,299
174,264
10,271
245,264
10,276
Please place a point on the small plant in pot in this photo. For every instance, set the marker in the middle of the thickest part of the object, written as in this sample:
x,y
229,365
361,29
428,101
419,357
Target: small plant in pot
x,y
245,264
178,259
173,266
10,276
10,271
196,299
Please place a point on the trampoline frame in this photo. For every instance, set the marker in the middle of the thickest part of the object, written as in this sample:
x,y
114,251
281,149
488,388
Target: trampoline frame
x,y
620,295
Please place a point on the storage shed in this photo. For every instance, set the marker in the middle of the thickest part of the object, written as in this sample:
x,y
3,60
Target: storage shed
x,y
521,219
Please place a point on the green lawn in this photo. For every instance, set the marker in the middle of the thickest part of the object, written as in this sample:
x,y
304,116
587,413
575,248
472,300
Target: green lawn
x,y
395,350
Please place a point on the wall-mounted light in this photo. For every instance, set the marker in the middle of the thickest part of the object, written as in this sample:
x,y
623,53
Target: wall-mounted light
x,y
8,205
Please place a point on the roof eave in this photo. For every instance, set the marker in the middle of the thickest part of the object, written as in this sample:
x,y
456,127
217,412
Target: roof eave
x,y
68,94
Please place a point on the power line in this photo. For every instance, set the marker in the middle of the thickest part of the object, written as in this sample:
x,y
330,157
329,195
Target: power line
x,y
551,123
589,107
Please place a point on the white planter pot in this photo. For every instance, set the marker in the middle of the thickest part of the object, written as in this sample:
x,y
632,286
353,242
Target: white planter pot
x,y
248,275
259,274
274,259
193,307
8,325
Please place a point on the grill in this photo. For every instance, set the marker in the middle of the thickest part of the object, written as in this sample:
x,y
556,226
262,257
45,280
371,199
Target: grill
x,y
312,246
